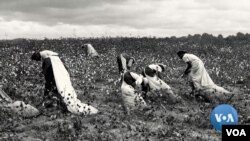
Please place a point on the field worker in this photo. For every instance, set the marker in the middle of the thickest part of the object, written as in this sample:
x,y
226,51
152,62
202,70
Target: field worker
x,y
50,86
19,108
153,75
132,98
197,74
59,84
125,62
90,51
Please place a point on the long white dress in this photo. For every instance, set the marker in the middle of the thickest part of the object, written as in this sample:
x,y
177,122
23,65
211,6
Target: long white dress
x,y
200,77
130,97
65,88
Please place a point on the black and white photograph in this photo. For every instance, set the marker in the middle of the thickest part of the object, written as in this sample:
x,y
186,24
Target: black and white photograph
x,y
124,70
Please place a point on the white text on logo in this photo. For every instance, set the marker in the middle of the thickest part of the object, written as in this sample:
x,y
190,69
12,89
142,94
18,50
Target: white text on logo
x,y
227,118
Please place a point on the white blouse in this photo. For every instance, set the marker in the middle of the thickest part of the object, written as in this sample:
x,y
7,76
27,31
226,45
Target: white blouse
x,y
190,58
47,53
155,67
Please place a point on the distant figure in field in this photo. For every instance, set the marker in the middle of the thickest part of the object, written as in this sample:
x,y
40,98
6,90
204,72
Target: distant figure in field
x,y
131,97
153,75
124,62
197,74
58,84
89,50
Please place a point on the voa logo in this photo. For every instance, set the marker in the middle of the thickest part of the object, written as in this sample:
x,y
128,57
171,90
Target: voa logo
x,y
226,118
223,114
236,132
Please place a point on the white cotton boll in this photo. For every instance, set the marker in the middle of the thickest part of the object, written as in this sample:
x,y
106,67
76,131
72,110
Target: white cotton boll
x,y
110,80
107,91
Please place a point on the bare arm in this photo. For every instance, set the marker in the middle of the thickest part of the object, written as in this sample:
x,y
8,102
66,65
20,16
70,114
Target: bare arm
x,y
188,69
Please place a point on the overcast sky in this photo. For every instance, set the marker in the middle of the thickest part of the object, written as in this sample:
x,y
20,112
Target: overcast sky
x,y
96,18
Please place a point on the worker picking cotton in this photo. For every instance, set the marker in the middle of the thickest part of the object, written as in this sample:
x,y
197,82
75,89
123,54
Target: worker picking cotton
x,y
198,76
17,107
130,89
153,73
125,62
59,84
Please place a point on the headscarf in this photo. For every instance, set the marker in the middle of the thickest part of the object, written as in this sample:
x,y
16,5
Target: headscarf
x,y
36,56
162,67
47,53
181,53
